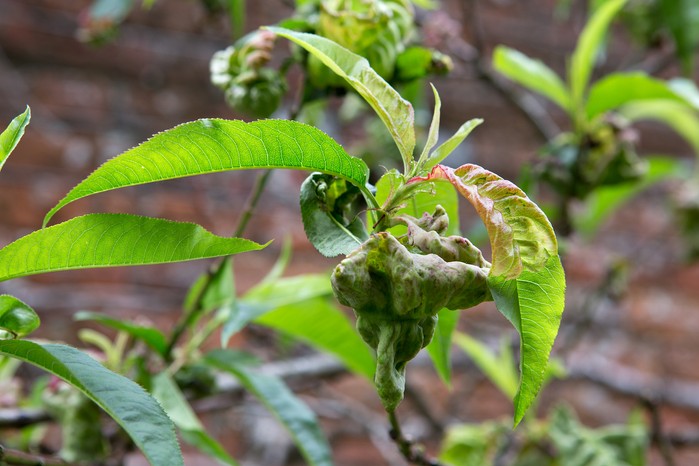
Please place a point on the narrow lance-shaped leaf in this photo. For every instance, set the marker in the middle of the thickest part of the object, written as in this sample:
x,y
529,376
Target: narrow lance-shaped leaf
x,y
583,59
151,336
521,237
109,240
298,419
448,146
126,402
532,74
12,134
17,317
212,145
433,134
395,112
533,303
173,401
440,346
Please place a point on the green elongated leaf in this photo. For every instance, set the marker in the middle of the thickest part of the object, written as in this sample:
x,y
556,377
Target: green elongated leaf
x,y
532,74
303,308
109,240
212,289
173,401
533,303
433,134
151,336
677,116
17,317
620,88
212,145
583,59
298,419
448,146
442,193
500,369
521,237
12,134
126,402
325,201
273,295
319,323
605,200
439,347
395,112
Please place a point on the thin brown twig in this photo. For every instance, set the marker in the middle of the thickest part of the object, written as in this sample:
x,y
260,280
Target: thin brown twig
x,y
412,452
12,457
657,433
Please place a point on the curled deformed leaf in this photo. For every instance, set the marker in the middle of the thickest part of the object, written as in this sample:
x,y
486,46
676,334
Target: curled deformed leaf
x,y
521,236
327,218
17,317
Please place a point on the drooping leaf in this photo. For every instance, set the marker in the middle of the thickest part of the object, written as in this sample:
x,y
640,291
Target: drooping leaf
x,y
212,145
521,237
12,134
173,401
620,88
500,369
532,74
319,323
303,308
533,302
583,58
677,116
151,336
126,402
17,317
273,295
109,240
605,200
440,346
295,415
325,208
395,112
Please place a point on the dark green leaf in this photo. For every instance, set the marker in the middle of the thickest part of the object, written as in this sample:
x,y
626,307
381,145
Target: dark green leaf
x,y
682,19
532,74
440,346
126,402
17,317
12,134
325,207
168,394
533,303
298,419
620,88
109,240
211,145
395,112
151,336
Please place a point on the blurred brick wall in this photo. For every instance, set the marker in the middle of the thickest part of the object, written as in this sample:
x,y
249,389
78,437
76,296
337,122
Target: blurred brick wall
x,y
90,104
